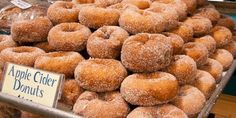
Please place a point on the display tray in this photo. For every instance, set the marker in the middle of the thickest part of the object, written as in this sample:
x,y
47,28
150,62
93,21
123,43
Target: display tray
x,y
60,112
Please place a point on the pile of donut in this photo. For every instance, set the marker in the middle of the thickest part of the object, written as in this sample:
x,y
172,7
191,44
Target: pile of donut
x,y
128,58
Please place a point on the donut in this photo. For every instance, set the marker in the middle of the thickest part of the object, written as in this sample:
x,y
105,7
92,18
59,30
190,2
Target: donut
x,y
231,47
178,5
68,37
44,46
224,57
191,5
222,35
71,91
226,21
23,55
8,112
184,68
93,105
176,41
201,3
148,89
190,100
214,68
141,21
201,25
184,31
25,114
208,41
197,51
170,15
141,4
106,3
100,75
59,62
162,111
96,17
6,42
34,30
146,52
63,11
211,13
83,1
106,42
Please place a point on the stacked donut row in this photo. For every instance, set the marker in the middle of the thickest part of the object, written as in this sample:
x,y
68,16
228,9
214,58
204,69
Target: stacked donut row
x,y
135,70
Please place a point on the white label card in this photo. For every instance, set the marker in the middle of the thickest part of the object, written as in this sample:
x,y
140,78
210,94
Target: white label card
x,y
21,4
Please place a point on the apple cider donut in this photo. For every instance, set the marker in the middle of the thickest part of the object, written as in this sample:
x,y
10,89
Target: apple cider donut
x,y
141,21
44,46
6,42
190,100
68,37
149,89
226,21
59,62
100,75
197,51
184,31
63,11
208,41
23,55
177,42
222,35
224,57
33,30
146,52
184,68
96,17
141,4
208,12
106,42
231,47
162,111
101,105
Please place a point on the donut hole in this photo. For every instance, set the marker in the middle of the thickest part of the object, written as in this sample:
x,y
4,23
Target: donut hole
x,y
69,28
22,50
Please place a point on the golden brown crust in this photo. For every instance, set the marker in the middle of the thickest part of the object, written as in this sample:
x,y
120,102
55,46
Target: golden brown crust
x,y
149,88
35,30
59,62
177,42
6,42
208,41
184,68
68,37
100,75
184,31
24,55
106,42
146,52
224,57
101,105
208,12
222,35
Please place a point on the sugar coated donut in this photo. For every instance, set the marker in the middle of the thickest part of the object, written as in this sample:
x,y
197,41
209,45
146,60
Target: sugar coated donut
x,y
25,114
191,5
71,91
226,21
59,62
222,35
34,30
201,25
214,68
184,68
106,42
68,37
106,3
146,52
190,100
231,47
149,88
184,31
177,42
224,57
141,4
197,51
208,41
211,13
93,105
205,83
62,11
44,46
6,42
96,17
170,15
100,75
162,111
23,55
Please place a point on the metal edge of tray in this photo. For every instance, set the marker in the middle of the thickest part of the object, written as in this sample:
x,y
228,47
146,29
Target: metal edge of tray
x,y
35,108
227,7
211,101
